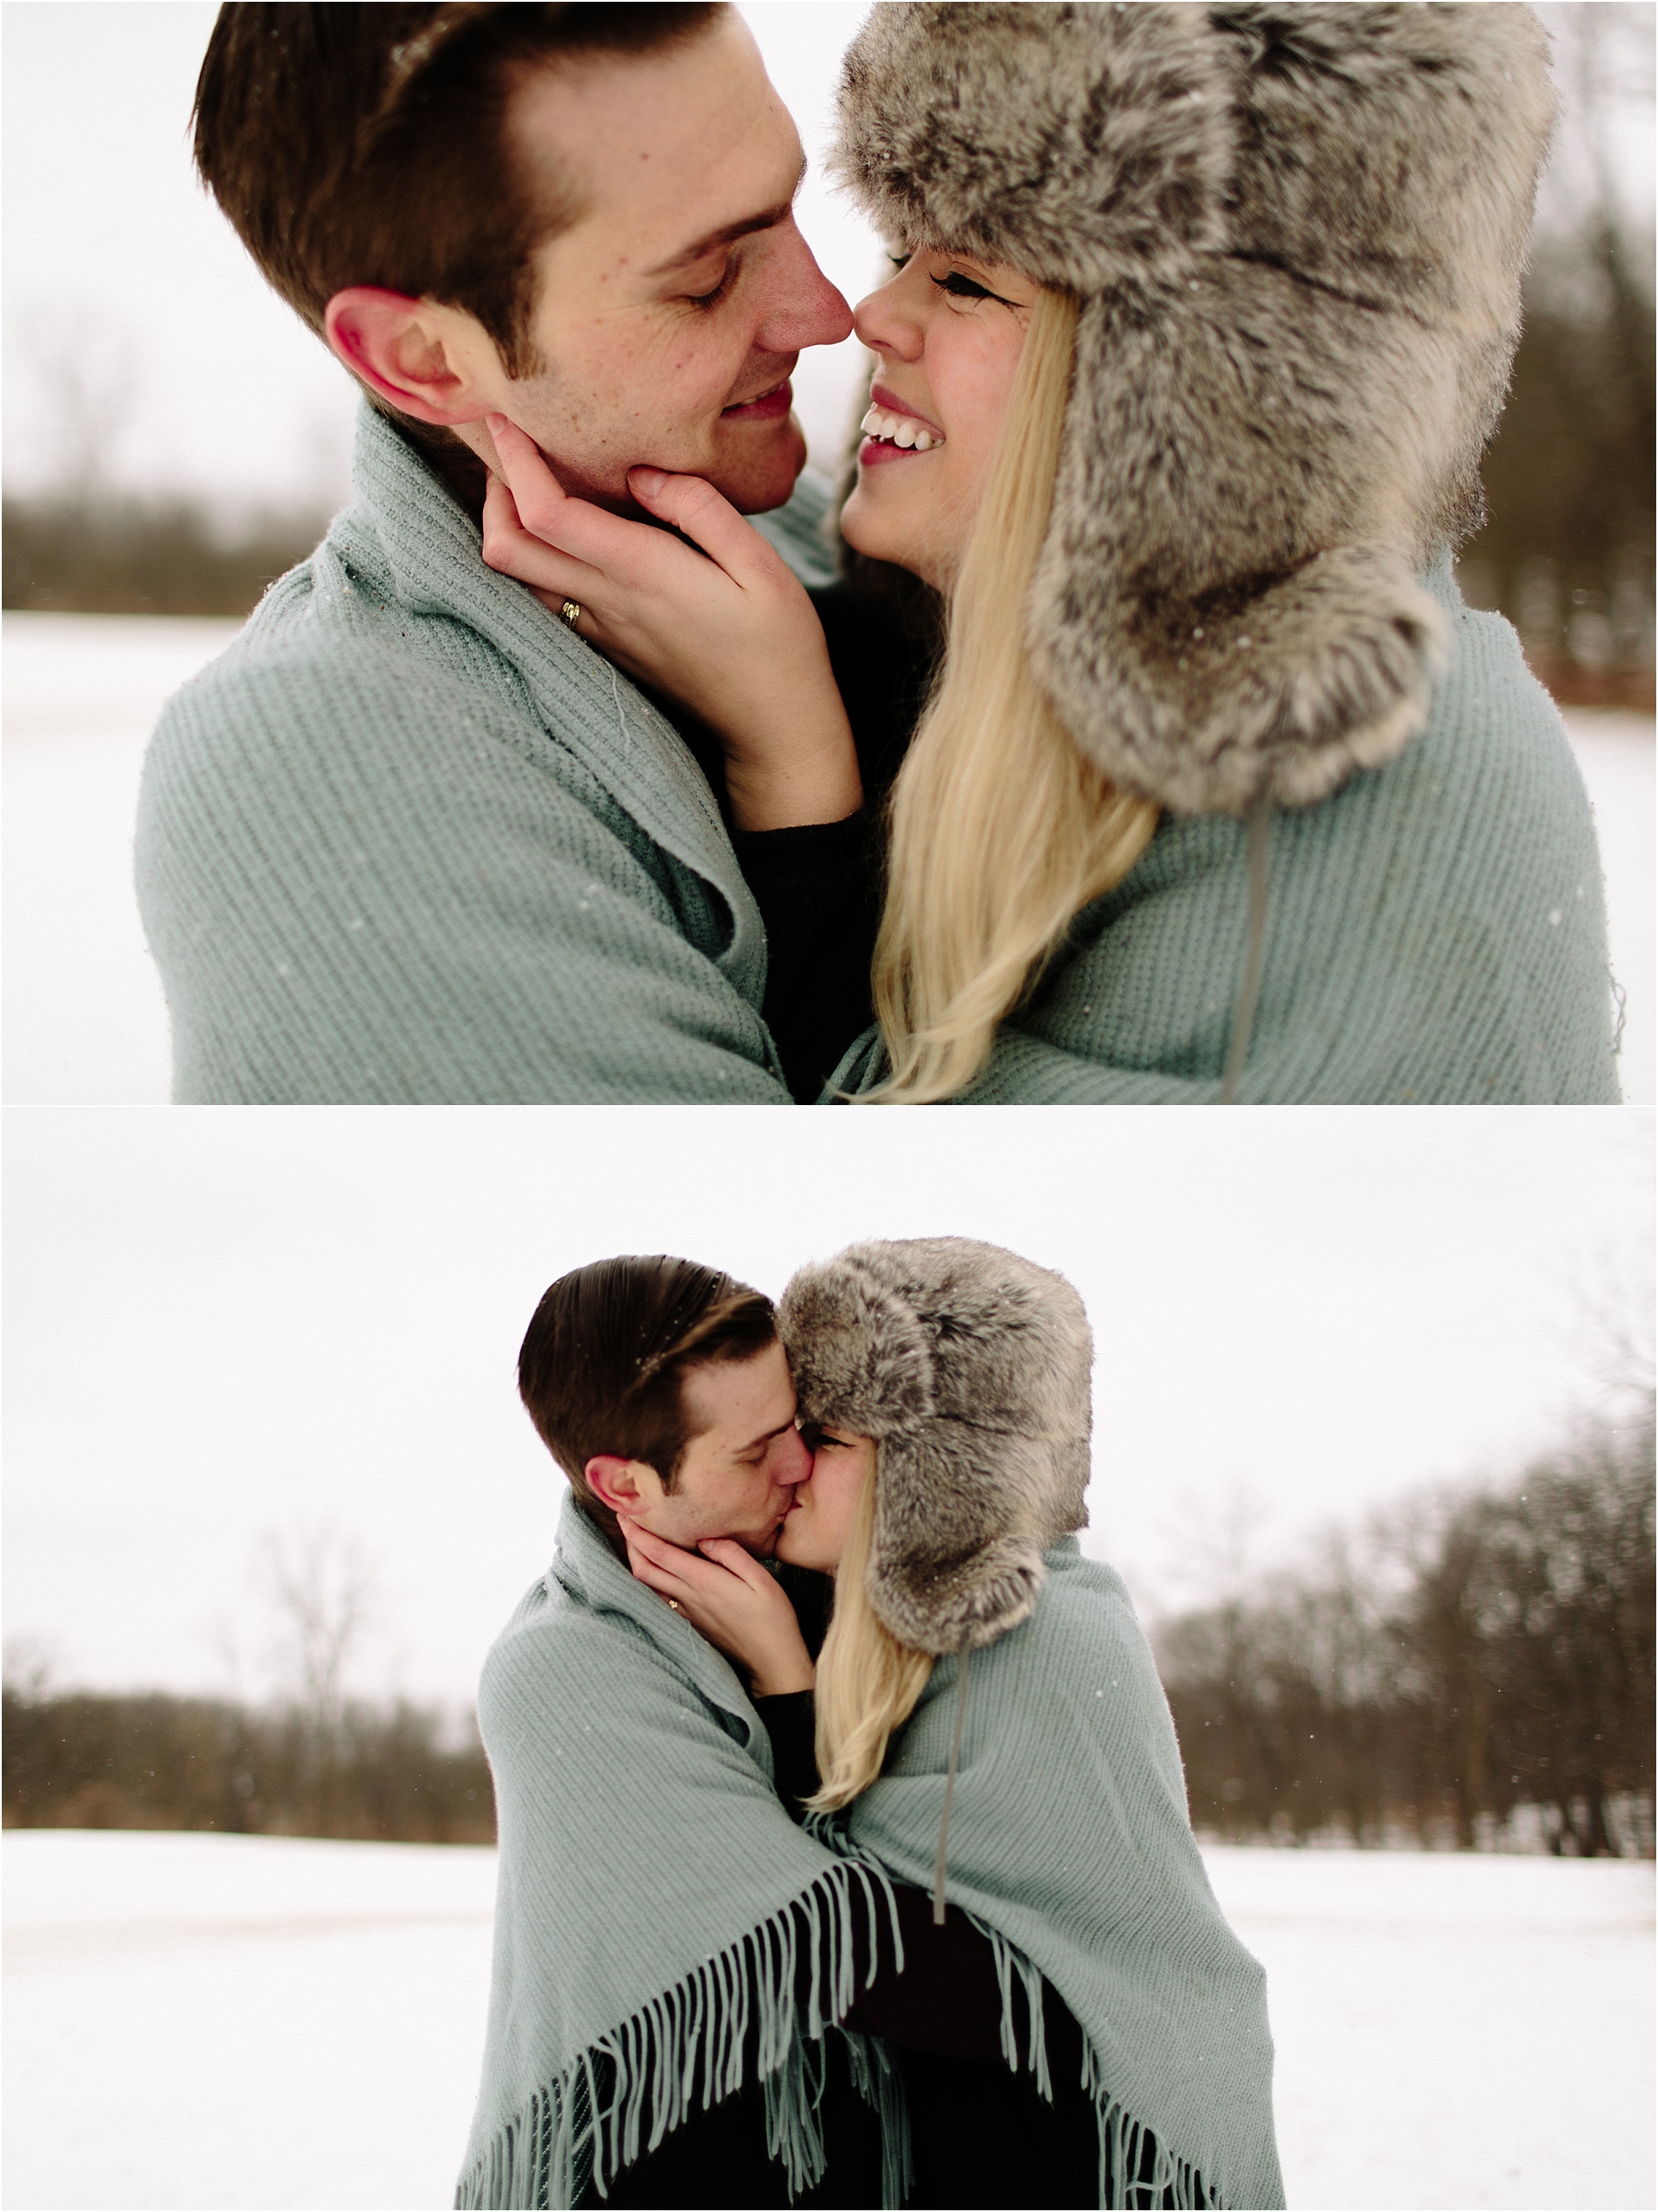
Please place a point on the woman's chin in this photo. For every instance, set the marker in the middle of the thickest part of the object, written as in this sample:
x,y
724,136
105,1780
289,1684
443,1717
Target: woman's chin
x,y
871,527
795,1550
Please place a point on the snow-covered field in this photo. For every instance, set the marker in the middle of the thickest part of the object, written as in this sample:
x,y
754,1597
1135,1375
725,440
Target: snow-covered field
x,y
85,1021
227,2021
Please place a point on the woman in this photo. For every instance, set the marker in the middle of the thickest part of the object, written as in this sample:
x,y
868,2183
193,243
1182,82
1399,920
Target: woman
x,y
1203,318
1084,2029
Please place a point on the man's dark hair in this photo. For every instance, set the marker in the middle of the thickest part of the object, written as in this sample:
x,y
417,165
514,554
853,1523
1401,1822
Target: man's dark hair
x,y
367,145
603,1362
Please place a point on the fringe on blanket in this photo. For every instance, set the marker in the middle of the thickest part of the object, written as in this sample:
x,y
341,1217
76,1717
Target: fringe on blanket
x,y
686,2049
1014,1970
1137,2174
879,2084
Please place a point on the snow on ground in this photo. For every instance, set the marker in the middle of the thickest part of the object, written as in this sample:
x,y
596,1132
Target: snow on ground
x,y
234,2021
85,1020
1454,2030
1615,753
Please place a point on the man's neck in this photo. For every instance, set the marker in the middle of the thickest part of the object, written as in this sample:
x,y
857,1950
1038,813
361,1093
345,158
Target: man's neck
x,y
447,456
604,1525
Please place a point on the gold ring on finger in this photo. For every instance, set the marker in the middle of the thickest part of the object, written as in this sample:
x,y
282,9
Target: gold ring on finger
x,y
673,1605
571,612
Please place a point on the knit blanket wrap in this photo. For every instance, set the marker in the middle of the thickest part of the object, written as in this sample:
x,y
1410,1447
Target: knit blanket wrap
x,y
662,1925
1069,1844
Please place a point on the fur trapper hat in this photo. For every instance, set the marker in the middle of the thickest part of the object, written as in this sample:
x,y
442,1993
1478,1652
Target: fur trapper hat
x,y
1296,232
970,1367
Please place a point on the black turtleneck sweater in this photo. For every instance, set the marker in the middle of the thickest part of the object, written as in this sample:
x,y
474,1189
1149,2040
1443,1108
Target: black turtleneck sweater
x,y
818,887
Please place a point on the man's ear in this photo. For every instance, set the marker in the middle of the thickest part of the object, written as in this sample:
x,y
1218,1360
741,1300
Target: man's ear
x,y
413,352
623,1484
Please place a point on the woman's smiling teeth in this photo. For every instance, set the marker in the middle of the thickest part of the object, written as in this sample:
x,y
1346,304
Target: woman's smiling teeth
x,y
901,430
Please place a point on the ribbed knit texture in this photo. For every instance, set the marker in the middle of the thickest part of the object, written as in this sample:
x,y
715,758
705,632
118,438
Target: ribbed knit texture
x,y
658,1911
1435,934
409,839
1068,1840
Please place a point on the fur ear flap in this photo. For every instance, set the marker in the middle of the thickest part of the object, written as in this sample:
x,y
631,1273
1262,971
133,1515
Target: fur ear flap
x,y
930,1608
1205,704
1225,605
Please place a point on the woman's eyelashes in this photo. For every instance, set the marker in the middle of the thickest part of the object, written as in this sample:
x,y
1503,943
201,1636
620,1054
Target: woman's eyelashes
x,y
960,286
956,283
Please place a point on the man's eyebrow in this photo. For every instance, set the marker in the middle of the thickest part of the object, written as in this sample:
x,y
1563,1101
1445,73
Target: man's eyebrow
x,y
767,219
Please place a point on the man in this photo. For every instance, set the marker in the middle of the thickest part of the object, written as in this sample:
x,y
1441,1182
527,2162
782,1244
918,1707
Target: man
x,y
670,1946
410,840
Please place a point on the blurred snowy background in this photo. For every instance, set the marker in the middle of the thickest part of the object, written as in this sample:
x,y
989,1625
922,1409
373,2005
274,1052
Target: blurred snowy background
x,y
173,438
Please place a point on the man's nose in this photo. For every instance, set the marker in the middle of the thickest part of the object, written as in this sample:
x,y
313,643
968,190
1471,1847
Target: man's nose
x,y
810,311
794,1461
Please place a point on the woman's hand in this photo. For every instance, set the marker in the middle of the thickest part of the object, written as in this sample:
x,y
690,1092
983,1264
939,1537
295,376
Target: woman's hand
x,y
727,1596
729,631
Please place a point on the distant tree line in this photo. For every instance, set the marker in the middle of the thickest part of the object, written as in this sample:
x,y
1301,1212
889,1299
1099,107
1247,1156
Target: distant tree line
x,y
79,1760
1566,552
81,553
1478,1668
1474,1670
309,1761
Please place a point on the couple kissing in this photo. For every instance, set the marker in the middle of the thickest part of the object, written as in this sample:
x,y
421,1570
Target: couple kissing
x,y
844,1848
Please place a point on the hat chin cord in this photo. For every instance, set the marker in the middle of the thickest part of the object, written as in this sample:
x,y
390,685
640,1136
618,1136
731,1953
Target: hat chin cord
x,y
1255,949
949,1783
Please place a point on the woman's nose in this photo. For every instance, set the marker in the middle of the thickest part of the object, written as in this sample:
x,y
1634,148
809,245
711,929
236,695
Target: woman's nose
x,y
886,324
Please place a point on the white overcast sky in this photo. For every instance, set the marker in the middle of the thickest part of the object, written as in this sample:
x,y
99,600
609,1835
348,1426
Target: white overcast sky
x,y
221,1322
130,307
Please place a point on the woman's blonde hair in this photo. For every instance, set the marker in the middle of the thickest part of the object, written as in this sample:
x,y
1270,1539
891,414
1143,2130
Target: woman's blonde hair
x,y
867,1681
1000,828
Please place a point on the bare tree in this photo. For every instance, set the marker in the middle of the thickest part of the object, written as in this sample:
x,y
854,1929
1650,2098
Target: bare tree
x,y
321,1583
1472,1653
29,1666
88,379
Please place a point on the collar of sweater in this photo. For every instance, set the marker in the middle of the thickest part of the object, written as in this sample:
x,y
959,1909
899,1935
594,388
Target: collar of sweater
x,y
408,535
591,1575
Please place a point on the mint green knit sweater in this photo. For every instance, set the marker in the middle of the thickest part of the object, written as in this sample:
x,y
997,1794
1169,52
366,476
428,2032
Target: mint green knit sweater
x,y
409,839
1435,934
